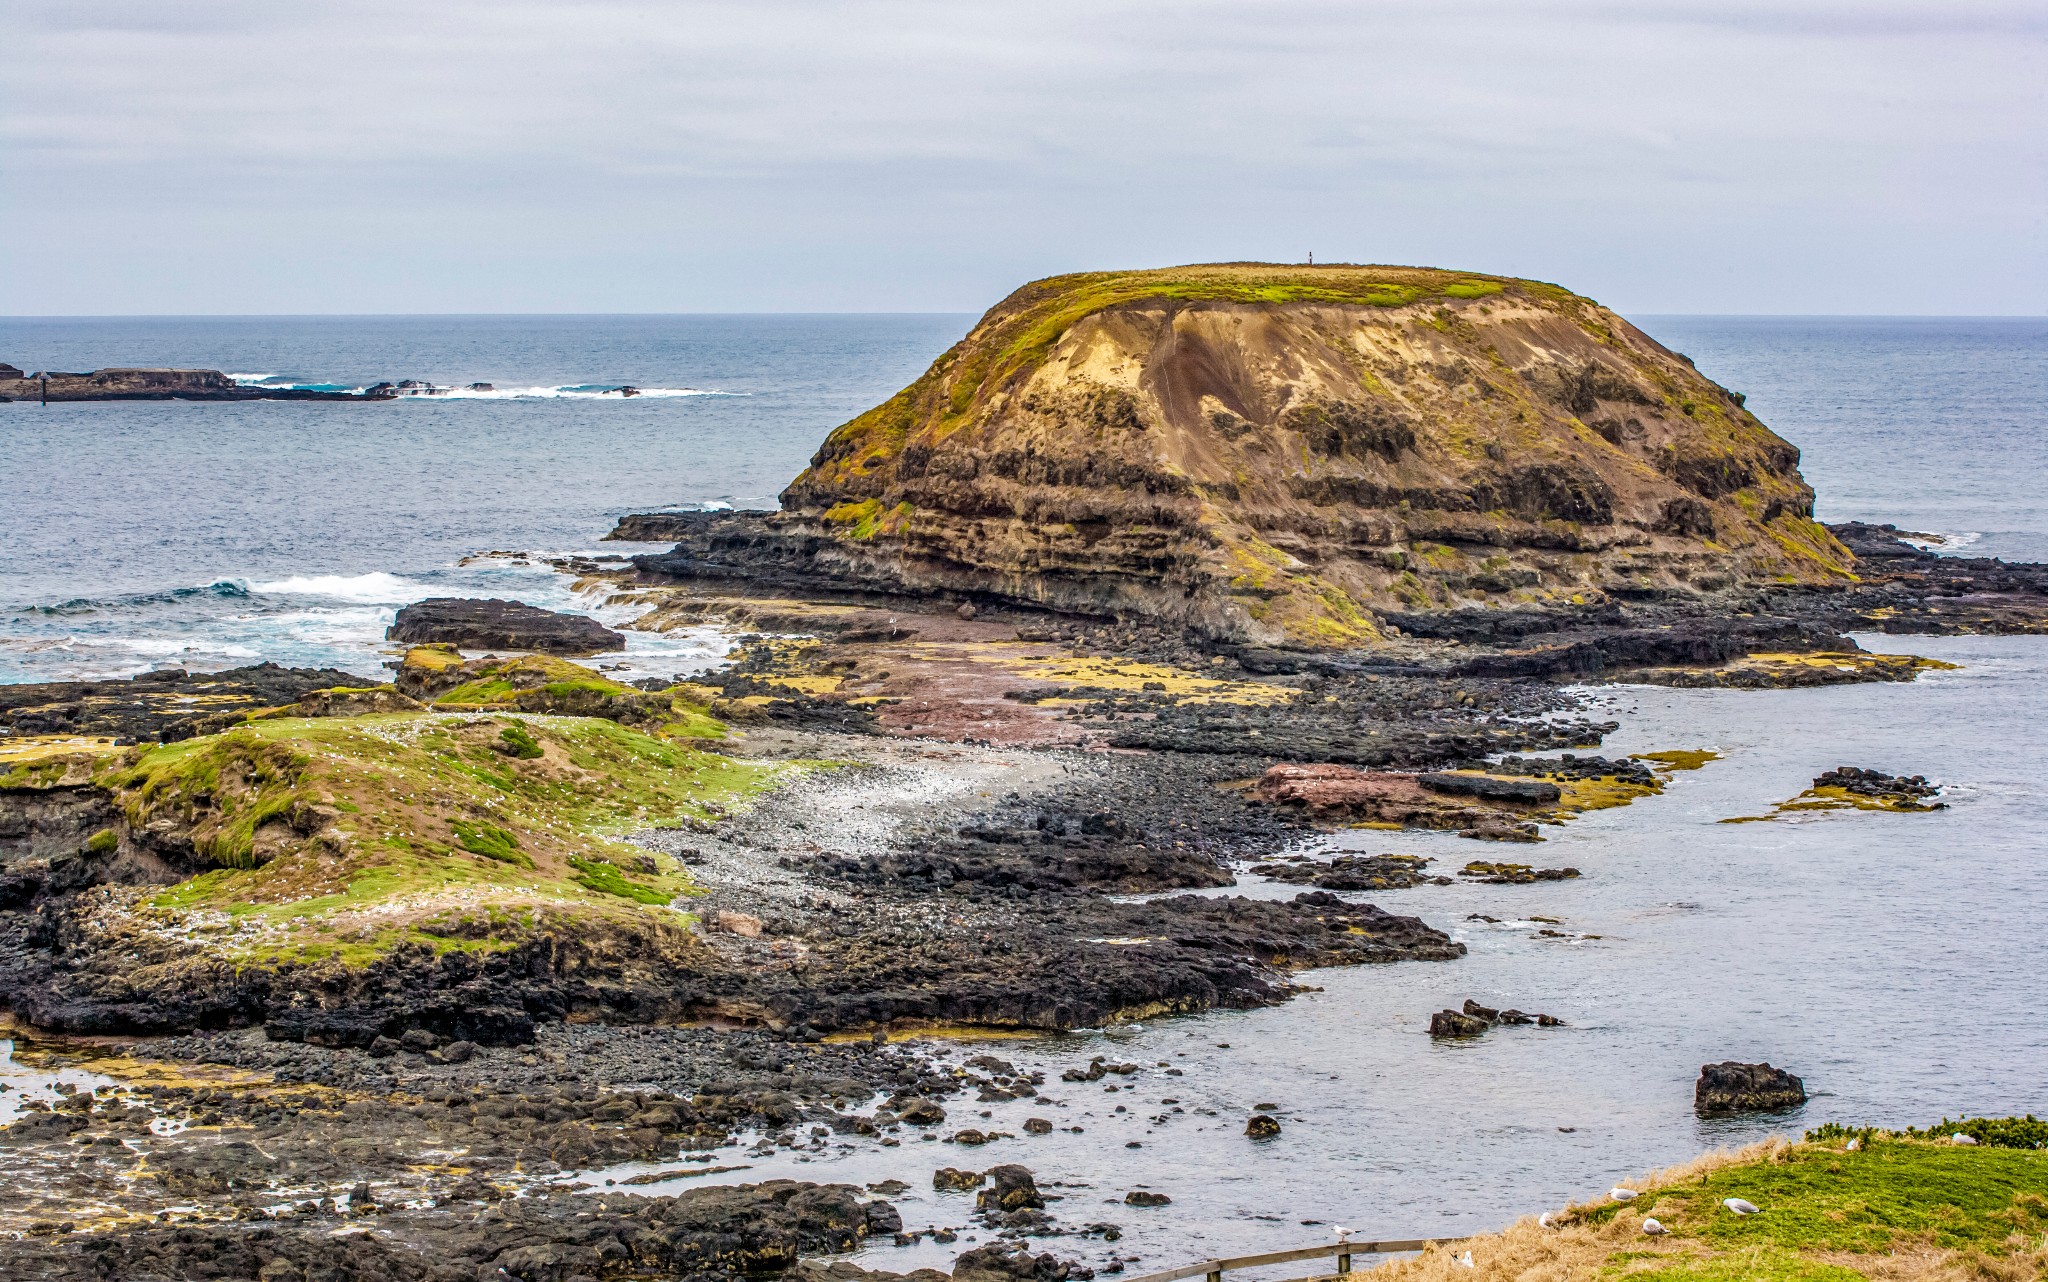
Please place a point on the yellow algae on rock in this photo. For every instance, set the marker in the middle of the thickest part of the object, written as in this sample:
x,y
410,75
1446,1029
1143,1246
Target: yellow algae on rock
x,y
1177,684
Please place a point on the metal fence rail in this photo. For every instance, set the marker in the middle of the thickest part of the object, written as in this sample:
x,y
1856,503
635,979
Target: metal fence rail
x,y
1213,1270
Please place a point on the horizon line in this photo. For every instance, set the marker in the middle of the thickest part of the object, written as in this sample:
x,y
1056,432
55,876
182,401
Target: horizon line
x,y
159,316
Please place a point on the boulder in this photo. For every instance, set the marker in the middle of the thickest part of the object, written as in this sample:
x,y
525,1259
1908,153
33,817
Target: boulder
x,y
1011,1188
920,1112
495,624
1452,1023
1730,1087
951,1179
1262,1127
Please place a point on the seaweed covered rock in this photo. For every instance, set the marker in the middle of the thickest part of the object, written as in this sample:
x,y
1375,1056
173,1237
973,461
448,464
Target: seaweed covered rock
x,y
1286,455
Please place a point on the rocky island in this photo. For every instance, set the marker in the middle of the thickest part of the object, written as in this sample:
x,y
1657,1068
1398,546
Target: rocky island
x,y
45,386
1152,577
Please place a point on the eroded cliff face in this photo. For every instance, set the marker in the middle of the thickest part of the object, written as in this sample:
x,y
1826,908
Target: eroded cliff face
x,y
1284,455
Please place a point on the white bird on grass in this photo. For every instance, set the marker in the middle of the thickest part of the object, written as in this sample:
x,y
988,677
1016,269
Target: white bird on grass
x,y
1853,1145
1543,1221
1465,1259
1654,1229
1741,1206
1620,1194
1960,1138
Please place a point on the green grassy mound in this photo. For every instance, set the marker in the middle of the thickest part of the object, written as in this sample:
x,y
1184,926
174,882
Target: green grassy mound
x,y
1847,1204
348,836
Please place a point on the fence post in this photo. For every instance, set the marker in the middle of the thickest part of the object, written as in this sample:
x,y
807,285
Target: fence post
x,y
1344,1262
1215,1275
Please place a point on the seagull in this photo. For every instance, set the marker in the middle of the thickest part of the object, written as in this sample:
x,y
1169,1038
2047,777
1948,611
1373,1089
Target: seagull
x,y
1343,1234
1960,1138
1654,1229
1465,1259
1543,1221
1853,1145
1741,1206
1620,1194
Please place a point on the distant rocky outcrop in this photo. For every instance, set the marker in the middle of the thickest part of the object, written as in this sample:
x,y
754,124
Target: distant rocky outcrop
x,y
496,624
154,385
1731,1087
1286,455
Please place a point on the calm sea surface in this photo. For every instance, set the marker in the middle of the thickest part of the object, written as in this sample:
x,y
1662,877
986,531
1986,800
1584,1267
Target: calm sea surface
x,y
139,535
1898,962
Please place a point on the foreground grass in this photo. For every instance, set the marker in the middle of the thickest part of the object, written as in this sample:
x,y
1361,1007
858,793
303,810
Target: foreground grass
x,y
347,836
1893,1207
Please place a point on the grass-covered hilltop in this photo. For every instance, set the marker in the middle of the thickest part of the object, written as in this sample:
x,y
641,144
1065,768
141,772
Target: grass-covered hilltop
x,y
1294,455
1845,1205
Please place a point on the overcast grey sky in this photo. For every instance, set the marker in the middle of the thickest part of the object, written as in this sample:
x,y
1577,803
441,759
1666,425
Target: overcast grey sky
x,y
253,156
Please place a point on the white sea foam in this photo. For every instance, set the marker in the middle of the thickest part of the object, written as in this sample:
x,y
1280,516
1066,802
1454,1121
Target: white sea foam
x,y
1944,542
375,588
425,391
573,391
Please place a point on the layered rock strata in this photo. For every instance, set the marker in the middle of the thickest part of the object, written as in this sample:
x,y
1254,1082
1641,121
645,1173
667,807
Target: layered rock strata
x,y
1286,455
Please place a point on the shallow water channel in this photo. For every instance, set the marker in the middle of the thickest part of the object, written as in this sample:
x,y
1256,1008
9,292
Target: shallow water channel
x,y
1898,962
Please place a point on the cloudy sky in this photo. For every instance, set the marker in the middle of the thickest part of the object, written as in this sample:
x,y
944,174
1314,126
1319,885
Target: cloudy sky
x,y
250,156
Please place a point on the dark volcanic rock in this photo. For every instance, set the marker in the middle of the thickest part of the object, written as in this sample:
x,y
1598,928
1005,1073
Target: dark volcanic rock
x,y
494,624
1008,1262
1532,792
1880,542
167,705
709,1233
1352,872
1902,790
1729,1087
1011,1188
157,385
1452,1023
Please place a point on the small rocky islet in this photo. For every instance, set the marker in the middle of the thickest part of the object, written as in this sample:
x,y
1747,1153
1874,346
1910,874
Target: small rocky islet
x,y
1308,547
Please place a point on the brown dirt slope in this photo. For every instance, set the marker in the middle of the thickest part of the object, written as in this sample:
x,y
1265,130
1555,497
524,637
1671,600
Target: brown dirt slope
x,y
1280,454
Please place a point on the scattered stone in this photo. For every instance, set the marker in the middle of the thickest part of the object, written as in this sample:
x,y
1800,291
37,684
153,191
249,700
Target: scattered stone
x,y
1475,1019
1262,1126
1139,1197
1899,792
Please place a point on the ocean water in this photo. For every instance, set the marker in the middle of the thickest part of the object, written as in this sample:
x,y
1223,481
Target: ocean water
x,y
1937,424
166,534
